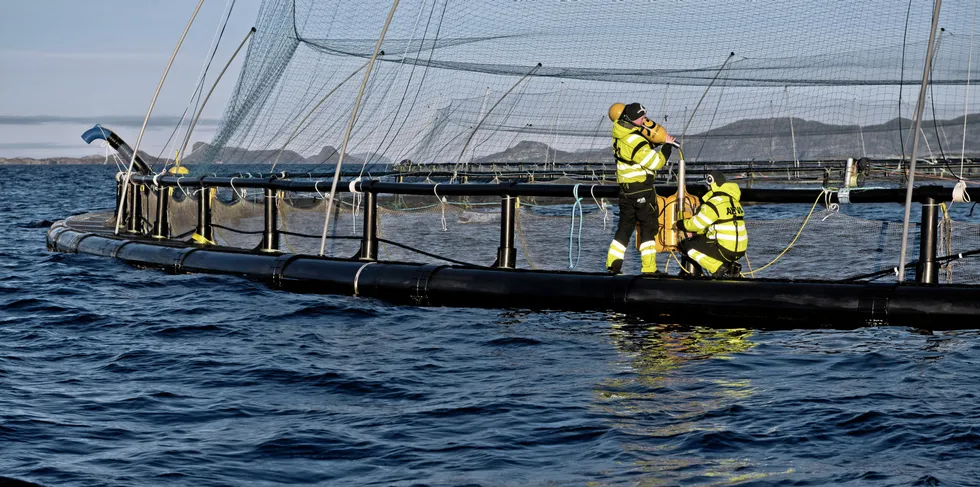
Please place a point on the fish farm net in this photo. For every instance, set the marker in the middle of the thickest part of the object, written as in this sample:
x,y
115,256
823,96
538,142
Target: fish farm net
x,y
824,244
458,83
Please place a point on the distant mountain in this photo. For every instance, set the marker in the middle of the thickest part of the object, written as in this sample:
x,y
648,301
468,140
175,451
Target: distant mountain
x,y
774,139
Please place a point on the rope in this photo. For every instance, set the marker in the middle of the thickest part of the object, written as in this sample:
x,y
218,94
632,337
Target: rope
x,y
571,229
442,204
959,192
520,234
601,205
357,198
797,236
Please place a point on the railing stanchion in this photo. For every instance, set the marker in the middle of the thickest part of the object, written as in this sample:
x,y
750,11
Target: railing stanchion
x,y
927,272
135,209
161,224
204,229
506,252
270,237
369,242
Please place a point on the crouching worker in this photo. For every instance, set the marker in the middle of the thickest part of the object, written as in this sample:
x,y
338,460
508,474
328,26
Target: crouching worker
x,y
637,162
719,238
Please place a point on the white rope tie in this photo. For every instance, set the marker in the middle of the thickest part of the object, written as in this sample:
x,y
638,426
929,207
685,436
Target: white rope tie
x,y
358,275
356,198
959,192
442,204
844,196
182,190
600,204
241,195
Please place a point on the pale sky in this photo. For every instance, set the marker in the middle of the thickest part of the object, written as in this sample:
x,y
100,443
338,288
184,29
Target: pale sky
x,y
66,65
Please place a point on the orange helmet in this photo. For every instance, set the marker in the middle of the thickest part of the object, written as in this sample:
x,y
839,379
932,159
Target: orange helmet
x,y
616,111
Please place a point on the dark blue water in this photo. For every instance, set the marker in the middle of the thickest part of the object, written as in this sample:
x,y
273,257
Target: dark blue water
x,y
111,375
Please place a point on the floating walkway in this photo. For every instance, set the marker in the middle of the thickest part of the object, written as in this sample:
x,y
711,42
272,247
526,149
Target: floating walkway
x,y
754,303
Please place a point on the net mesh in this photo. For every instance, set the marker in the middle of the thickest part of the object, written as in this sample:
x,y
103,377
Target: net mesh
x,y
484,83
462,82
823,244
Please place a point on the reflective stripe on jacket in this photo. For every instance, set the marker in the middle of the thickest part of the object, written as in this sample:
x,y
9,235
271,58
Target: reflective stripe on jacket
x,y
635,158
721,218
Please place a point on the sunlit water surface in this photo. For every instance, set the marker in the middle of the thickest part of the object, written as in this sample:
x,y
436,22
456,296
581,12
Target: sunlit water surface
x,y
113,375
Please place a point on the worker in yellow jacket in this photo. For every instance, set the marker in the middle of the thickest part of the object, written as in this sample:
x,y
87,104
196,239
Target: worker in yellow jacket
x,y
718,237
634,140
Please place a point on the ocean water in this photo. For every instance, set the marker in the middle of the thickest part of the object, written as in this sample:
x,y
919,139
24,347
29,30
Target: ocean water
x,y
112,375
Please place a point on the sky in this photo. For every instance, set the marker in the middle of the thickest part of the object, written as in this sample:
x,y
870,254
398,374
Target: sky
x,y
66,65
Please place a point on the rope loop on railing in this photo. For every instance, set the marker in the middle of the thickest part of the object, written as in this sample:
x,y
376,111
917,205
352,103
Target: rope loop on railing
x,y
442,204
571,229
959,192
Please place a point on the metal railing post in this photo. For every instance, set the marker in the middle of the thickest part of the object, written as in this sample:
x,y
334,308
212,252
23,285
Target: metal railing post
x,y
369,242
506,252
270,236
135,210
161,224
927,272
204,228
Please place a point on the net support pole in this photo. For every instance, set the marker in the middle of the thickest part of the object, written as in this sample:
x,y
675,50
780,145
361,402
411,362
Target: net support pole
x,y
161,224
915,144
927,272
686,264
132,161
270,236
506,252
350,125
119,192
369,241
204,228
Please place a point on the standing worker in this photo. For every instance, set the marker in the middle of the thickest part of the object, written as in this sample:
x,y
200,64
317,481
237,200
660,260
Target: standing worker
x,y
719,238
637,160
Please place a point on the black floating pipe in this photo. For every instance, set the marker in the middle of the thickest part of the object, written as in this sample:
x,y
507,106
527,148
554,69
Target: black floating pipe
x,y
369,242
927,272
204,228
161,224
506,252
757,303
270,236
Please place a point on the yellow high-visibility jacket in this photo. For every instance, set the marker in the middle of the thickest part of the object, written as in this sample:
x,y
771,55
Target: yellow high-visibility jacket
x,y
635,157
721,218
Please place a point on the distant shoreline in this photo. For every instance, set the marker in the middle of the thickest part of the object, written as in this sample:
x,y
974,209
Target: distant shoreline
x,y
52,161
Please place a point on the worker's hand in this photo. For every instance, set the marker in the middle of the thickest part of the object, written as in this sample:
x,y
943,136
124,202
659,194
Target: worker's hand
x,y
669,139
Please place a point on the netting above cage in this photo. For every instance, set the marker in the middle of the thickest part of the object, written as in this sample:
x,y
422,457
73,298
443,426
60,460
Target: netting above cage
x,y
465,82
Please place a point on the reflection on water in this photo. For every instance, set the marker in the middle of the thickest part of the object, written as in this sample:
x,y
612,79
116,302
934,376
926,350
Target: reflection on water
x,y
664,409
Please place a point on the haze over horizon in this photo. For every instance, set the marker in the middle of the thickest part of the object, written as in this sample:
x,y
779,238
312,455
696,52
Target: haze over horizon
x,y
69,65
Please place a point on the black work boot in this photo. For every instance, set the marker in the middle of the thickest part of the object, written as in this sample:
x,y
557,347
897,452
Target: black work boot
x,y
616,267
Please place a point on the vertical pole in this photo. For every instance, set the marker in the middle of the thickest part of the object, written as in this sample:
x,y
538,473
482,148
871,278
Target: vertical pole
x,y
915,141
927,272
686,263
369,242
270,237
506,251
161,224
135,210
119,192
136,148
204,228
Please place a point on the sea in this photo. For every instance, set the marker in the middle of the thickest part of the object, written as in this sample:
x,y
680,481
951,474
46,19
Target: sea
x,y
116,376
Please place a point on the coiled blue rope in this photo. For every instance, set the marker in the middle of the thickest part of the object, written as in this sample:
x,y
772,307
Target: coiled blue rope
x,y
571,229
